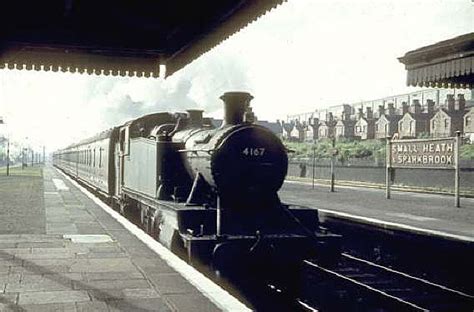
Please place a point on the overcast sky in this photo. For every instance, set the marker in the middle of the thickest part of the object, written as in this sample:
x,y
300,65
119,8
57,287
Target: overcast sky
x,y
306,54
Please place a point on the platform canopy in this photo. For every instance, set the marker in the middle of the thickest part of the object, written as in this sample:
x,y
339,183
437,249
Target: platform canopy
x,y
446,64
118,37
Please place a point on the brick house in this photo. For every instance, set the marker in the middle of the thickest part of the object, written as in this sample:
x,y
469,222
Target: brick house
x,y
344,127
364,128
387,124
414,122
446,121
469,125
326,127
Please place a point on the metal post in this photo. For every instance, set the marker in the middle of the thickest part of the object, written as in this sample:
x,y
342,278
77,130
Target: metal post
x,y
388,165
457,143
32,157
332,164
314,162
8,156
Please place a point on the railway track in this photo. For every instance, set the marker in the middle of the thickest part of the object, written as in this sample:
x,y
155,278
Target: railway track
x,y
354,284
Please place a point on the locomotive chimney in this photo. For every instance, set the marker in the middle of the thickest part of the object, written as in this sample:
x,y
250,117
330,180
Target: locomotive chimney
x,y
195,117
235,106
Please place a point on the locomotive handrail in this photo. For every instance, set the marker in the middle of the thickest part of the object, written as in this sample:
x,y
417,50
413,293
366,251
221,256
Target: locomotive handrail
x,y
209,151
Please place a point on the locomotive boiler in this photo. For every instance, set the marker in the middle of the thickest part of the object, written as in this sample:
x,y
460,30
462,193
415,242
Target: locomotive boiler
x,y
207,193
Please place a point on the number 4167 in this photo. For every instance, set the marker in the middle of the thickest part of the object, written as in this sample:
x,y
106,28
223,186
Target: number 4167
x,y
250,151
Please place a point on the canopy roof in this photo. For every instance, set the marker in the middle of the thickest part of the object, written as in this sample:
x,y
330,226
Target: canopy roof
x,y
447,64
118,37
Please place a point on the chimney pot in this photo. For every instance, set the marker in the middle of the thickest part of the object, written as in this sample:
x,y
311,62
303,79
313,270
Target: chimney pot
x,y
235,106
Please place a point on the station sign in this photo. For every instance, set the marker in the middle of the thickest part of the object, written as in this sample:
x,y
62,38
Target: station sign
x,y
430,153
439,153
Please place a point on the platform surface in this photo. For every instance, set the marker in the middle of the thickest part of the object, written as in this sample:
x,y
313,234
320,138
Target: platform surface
x,y
424,213
60,251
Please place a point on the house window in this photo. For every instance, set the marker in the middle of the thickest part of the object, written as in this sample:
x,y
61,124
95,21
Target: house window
x,y
400,125
446,123
468,121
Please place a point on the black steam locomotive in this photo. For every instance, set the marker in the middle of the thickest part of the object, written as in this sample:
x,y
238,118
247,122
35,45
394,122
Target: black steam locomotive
x,y
208,193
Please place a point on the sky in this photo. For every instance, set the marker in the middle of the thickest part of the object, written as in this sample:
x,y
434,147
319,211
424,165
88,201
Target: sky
x,y
303,55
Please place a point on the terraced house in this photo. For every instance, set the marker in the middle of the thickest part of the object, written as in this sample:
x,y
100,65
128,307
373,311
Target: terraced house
x,y
365,125
446,121
414,122
469,125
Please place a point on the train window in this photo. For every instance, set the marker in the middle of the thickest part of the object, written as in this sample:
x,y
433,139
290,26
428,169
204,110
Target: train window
x,y
100,157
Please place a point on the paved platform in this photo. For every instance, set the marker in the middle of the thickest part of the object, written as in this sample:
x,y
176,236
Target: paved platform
x,y
61,251
428,214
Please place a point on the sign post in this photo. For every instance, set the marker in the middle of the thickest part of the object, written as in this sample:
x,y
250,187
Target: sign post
x,y
333,155
438,153
314,163
388,165
457,144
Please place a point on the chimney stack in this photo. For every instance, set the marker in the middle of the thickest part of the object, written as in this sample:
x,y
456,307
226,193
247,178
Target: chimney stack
x,y
391,109
416,107
360,113
369,113
404,108
329,117
381,110
235,106
450,102
460,103
346,112
430,104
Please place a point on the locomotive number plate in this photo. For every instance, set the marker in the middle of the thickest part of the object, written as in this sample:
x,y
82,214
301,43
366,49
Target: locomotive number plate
x,y
251,151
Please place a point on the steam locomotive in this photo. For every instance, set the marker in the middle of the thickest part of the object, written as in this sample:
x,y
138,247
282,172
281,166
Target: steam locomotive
x,y
209,194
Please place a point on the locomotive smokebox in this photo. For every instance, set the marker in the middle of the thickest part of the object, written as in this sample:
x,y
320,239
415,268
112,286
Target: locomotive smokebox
x,y
235,106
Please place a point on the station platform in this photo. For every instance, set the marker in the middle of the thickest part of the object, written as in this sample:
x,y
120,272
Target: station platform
x,y
63,250
421,213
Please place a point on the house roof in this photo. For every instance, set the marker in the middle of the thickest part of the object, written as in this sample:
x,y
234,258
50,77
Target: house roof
x,y
446,64
454,114
418,117
390,118
368,121
118,37
346,123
